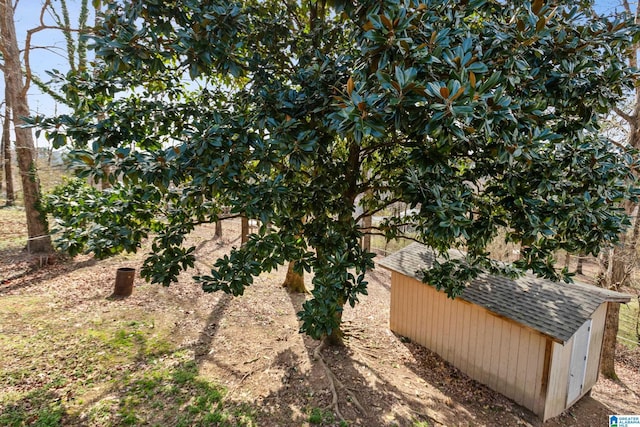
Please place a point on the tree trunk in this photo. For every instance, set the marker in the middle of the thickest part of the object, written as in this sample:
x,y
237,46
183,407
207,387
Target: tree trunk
x,y
5,155
218,232
366,239
294,282
580,263
39,239
607,359
336,337
244,230
623,257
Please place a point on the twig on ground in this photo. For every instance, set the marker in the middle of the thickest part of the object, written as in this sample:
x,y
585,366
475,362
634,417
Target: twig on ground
x,y
430,418
226,397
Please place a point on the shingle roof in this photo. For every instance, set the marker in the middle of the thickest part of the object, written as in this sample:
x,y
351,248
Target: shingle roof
x,y
554,309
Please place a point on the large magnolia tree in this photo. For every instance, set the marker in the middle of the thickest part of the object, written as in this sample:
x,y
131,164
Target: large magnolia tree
x,y
482,116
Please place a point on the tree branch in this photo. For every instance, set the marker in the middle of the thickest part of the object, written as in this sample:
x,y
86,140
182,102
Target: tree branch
x,y
375,211
27,48
627,117
405,237
27,44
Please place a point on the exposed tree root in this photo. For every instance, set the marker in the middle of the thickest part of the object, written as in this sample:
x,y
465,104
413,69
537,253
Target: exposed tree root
x,y
428,417
333,381
332,384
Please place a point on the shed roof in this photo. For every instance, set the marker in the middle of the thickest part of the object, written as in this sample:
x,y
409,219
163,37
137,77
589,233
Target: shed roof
x,y
554,309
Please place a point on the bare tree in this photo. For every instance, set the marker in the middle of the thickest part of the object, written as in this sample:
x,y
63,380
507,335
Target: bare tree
x,y
16,91
623,257
5,156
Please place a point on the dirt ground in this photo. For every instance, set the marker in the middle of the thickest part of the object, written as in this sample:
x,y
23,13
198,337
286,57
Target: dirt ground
x,y
251,345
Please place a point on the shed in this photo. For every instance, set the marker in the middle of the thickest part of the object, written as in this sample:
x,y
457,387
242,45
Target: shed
x,y
533,340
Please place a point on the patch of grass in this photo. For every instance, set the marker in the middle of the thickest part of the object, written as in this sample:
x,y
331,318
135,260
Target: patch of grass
x,y
49,410
379,244
321,416
13,227
628,325
60,369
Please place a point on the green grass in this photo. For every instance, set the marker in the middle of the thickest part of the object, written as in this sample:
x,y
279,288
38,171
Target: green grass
x,y
378,243
319,416
119,368
13,228
628,323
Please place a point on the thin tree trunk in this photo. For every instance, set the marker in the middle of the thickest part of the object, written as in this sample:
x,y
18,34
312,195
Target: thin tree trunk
x,y
6,157
567,260
623,257
244,230
607,359
366,238
580,263
39,240
294,282
336,337
218,232
5,123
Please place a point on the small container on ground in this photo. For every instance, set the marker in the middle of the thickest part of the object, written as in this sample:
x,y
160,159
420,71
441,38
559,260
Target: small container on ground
x,y
124,281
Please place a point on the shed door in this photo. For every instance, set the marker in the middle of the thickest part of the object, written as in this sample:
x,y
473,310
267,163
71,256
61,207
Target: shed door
x,y
578,367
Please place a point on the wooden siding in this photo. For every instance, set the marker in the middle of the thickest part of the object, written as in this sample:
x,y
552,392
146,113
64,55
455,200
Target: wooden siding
x,y
490,349
561,359
558,380
593,357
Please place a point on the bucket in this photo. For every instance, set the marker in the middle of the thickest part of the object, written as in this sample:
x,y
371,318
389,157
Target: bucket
x,y
124,281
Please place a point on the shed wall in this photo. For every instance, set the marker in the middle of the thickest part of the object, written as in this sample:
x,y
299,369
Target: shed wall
x,y
558,379
560,368
598,320
494,351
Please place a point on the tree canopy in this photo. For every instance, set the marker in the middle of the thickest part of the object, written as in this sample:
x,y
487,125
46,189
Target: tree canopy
x,y
481,115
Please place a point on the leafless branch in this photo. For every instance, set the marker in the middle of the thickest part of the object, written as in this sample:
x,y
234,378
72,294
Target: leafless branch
x,y
27,44
405,237
375,211
628,117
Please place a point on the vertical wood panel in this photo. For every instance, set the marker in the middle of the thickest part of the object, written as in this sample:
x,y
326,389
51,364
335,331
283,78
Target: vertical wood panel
x,y
595,346
439,323
558,379
454,324
495,351
486,338
465,336
541,395
505,344
431,332
413,308
522,367
423,313
532,363
394,310
512,359
397,289
538,401
446,319
472,352
406,306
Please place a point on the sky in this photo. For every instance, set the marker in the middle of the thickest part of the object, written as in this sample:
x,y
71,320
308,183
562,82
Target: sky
x,y
54,56
50,53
